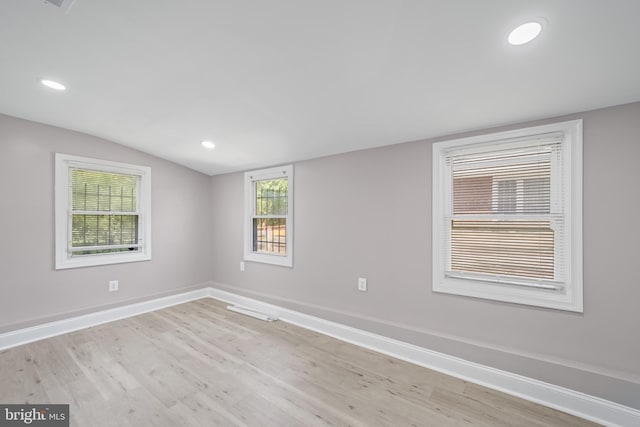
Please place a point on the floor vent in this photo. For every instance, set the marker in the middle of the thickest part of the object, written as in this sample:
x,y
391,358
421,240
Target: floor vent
x,y
253,313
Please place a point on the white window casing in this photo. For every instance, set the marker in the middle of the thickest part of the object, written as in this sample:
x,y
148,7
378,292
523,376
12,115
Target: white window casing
x,y
268,216
507,216
99,226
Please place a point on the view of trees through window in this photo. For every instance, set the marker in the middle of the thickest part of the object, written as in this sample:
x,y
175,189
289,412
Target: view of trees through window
x,y
270,216
104,215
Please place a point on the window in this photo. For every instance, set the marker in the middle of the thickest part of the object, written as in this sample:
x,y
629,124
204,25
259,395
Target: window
x,y
269,216
102,212
507,216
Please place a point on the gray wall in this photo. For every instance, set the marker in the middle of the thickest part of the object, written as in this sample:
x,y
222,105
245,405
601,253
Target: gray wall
x,y
368,213
32,291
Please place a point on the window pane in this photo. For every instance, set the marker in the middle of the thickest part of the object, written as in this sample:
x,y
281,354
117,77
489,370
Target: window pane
x,y
102,230
536,195
270,235
506,248
472,194
507,182
272,197
507,196
103,191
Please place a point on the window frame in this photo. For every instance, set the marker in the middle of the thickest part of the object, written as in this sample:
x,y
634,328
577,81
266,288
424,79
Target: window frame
x,y
63,212
570,296
250,178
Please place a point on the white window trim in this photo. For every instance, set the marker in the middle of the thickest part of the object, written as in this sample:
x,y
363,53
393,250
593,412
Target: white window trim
x,y
64,260
570,296
249,197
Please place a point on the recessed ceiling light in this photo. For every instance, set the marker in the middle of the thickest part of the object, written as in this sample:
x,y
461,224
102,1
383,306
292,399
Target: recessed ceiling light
x,y
524,33
53,84
208,145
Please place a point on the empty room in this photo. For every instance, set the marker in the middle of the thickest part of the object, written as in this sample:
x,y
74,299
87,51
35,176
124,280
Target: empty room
x,y
319,213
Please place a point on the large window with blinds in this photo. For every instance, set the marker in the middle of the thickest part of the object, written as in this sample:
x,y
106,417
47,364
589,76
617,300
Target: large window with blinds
x,y
102,212
507,215
269,216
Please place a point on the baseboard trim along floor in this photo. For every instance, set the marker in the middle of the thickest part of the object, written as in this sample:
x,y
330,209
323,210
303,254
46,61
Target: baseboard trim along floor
x,y
566,400
51,329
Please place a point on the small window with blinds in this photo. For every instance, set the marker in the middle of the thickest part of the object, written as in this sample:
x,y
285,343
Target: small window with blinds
x,y
269,216
507,216
102,212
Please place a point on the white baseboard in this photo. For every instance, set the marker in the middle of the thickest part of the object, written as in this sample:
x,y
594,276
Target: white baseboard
x,y
563,399
51,329
566,400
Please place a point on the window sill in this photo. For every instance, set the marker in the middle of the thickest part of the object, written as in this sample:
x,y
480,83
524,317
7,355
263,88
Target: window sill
x,y
283,261
559,299
90,261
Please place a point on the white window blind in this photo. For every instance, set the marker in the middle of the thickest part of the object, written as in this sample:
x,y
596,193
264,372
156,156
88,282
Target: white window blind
x,y
104,212
505,212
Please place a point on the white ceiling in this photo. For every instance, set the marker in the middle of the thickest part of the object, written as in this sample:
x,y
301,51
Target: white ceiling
x,y
274,81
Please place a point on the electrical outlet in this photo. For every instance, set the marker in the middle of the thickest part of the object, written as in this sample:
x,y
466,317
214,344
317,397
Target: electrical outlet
x,y
241,265
362,284
113,285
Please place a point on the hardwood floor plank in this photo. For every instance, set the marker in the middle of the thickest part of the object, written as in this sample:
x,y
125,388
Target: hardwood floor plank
x,y
199,364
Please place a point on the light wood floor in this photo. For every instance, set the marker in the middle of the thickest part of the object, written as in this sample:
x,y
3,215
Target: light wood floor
x,y
198,364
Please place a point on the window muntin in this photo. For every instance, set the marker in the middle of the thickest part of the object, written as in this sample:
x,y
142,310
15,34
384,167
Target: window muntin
x,y
102,212
507,216
268,215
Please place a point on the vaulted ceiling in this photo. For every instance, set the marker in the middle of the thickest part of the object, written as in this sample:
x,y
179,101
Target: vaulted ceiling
x,y
275,81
